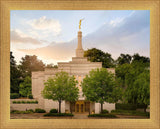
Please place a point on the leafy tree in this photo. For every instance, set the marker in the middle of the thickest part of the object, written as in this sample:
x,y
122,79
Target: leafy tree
x,y
124,59
121,71
29,64
96,55
100,86
61,87
25,87
15,75
143,89
132,90
137,57
51,66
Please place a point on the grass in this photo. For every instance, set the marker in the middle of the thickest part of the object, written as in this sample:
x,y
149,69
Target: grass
x,y
130,112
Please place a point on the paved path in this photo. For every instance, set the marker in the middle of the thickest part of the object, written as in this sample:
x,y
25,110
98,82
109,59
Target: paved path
x,y
76,116
80,116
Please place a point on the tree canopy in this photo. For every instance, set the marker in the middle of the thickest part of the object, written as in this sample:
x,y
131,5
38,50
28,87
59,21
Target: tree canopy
x,y
15,75
25,87
96,55
29,64
99,86
137,57
124,59
61,87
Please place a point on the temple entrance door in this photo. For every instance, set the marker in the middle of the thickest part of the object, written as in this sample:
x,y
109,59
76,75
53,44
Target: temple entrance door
x,y
79,107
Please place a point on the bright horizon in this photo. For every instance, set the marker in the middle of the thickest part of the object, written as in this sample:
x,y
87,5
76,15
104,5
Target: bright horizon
x,y
52,35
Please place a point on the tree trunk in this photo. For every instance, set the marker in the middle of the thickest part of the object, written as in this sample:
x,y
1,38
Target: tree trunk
x,y
71,107
59,106
145,107
101,107
89,108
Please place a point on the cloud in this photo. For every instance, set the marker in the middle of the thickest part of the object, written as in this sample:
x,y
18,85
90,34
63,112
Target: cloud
x,y
56,51
116,21
46,25
131,35
18,37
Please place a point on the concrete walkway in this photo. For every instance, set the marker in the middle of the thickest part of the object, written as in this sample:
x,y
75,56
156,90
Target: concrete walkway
x,y
80,116
76,116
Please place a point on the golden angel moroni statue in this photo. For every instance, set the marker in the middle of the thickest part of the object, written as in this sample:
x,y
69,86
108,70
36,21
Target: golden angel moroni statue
x,y
80,23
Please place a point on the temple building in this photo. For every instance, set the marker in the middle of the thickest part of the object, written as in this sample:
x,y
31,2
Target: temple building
x,y
79,67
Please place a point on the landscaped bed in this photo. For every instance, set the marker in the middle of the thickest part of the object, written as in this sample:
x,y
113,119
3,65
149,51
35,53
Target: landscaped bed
x,y
22,112
130,112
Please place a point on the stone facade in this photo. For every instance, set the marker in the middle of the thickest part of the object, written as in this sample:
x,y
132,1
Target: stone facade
x,y
23,107
79,67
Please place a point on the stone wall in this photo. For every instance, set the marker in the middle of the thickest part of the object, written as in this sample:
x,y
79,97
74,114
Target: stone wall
x,y
23,107
107,106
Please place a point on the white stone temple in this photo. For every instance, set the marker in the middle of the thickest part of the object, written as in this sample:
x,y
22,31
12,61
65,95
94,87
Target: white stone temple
x,y
79,67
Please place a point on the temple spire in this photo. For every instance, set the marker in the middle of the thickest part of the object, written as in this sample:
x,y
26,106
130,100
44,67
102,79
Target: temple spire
x,y
79,50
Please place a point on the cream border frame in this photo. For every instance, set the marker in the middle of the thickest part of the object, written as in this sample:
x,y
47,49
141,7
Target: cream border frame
x,y
7,5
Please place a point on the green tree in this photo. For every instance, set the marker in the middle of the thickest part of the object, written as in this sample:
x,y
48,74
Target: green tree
x,y
124,59
132,90
25,87
15,75
96,55
51,66
137,57
143,89
99,86
121,71
61,87
29,64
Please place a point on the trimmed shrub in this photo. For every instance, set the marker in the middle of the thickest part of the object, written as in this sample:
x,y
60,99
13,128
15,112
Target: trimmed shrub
x,y
28,101
140,106
58,114
23,102
32,101
121,106
30,110
53,111
102,115
30,96
14,95
18,102
36,101
21,112
105,111
38,110
14,101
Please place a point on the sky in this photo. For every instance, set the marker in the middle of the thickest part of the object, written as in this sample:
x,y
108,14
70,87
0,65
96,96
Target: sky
x,y
51,35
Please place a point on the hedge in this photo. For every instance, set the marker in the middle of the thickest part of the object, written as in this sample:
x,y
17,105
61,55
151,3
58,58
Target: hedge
x,y
140,106
30,96
14,95
53,111
25,102
121,106
22,112
58,114
38,110
130,112
104,111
